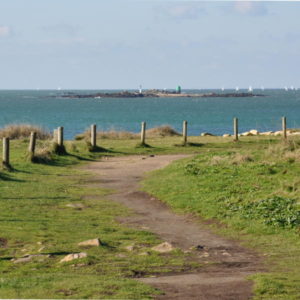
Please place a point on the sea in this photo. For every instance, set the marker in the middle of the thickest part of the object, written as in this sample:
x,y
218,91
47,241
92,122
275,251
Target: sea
x,y
49,110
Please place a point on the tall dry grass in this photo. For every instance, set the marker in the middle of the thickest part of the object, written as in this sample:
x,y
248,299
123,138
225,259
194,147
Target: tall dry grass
x,y
161,131
287,150
20,131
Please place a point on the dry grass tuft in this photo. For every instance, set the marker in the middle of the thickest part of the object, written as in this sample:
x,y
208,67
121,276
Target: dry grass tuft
x,y
239,158
161,131
233,159
42,155
218,160
20,131
284,147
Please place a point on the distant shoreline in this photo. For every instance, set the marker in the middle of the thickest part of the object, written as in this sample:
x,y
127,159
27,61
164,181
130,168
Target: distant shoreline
x,y
156,94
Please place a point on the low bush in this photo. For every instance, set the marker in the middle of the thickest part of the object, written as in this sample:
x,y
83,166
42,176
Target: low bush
x,y
20,131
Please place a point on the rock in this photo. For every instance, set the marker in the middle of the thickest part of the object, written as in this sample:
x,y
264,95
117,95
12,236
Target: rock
x,y
247,133
267,133
199,247
206,134
205,254
225,253
163,247
278,133
73,256
129,248
121,255
28,258
254,132
226,135
144,253
90,243
76,205
295,133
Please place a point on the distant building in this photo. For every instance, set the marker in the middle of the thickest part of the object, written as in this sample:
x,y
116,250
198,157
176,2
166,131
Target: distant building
x,y
178,89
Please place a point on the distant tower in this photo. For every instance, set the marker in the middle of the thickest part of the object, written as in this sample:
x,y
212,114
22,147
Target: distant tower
x,y
140,89
178,89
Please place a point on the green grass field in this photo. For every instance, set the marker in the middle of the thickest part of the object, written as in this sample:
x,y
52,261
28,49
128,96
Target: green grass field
x,y
223,181
253,188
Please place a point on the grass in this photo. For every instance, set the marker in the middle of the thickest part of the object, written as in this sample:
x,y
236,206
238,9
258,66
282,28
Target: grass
x,y
47,208
254,189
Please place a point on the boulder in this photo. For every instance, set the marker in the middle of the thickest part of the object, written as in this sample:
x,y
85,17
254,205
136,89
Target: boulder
x,y
90,243
278,133
247,133
254,132
226,135
267,133
295,133
163,248
73,256
28,258
206,134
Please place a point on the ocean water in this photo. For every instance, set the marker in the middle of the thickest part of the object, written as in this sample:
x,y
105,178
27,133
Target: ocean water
x,y
212,115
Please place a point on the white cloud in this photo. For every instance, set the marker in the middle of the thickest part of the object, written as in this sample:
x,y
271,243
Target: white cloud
x,y
5,31
191,10
250,8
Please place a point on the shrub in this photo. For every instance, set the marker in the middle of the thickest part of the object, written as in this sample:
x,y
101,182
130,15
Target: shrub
x,y
275,211
20,131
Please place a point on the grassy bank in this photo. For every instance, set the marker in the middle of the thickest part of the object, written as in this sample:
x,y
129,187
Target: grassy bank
x,y
254,189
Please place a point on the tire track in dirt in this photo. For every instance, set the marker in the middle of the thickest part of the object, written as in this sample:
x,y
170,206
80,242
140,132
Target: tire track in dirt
x,y
224,279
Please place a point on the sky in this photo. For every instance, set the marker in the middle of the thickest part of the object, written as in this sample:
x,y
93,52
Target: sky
x,y
120,44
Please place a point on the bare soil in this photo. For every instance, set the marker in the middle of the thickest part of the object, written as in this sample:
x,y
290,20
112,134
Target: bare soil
x,y
226,263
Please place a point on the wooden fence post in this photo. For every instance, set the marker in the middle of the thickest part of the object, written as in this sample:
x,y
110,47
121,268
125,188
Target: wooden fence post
x,y
143,133
55,135
5,160
284,127
94,135
60,136
236,129
32,142
184,132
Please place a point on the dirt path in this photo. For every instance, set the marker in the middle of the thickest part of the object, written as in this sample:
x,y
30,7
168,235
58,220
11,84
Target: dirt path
x,y
225,279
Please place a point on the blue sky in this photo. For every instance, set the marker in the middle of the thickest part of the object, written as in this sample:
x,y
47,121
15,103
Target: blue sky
x,y
94,44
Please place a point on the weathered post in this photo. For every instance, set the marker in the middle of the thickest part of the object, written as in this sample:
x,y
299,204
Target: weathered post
x,y
55,135
143,133
236,129
184,132
32,142
60,136
94,135
5,160
284,127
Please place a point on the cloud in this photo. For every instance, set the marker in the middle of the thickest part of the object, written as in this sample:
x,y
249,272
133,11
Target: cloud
x,y
5,31
182,11
61,29
250,8
63,41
